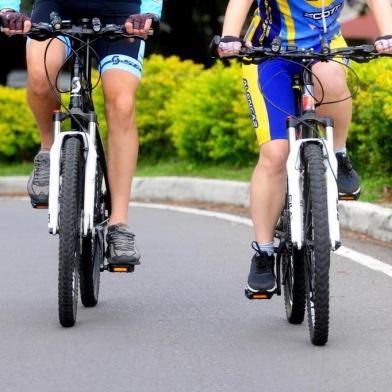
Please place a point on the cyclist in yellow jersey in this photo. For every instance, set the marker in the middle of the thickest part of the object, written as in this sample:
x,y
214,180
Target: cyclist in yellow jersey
x,y
303,23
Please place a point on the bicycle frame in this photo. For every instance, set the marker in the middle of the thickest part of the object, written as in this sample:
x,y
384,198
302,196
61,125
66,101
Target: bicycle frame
x,y
82,114
294,164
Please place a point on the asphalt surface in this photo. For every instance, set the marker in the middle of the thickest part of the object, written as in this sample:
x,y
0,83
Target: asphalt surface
x,y
181,322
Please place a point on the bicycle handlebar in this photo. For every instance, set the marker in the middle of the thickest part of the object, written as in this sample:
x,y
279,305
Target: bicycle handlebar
x,y
361,53
43,31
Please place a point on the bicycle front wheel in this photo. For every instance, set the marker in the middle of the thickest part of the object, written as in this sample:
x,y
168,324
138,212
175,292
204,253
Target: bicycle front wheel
x,y
93,248
317,244
70,230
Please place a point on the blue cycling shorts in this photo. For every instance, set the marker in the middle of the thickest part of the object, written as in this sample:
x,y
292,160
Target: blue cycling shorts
x,y
268,88
119,54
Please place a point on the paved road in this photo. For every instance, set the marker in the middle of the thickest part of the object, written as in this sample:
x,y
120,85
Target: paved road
x,y
181,322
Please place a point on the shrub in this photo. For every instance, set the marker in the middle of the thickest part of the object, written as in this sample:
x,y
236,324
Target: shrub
x,y
162,79
370,138
19,137
202,116
210,118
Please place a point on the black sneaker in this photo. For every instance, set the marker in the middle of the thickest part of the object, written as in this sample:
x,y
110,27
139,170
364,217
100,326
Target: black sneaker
x,y
348,179
38,185
121,245
261,275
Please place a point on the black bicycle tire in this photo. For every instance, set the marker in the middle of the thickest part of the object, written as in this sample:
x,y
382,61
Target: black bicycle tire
x,y
69,230
294,290
316,254
92,255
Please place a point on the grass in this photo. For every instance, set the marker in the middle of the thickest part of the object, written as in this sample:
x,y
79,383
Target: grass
x,y
180,168
375,188
16,169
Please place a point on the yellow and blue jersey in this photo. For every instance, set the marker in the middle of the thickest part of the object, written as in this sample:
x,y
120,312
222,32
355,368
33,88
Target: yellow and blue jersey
x,y
298,22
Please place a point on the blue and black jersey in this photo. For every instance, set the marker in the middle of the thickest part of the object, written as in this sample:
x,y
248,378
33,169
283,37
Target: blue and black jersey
x,y
139,6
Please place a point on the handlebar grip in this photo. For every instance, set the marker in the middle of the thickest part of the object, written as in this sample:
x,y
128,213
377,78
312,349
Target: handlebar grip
x,y
214,46
155,26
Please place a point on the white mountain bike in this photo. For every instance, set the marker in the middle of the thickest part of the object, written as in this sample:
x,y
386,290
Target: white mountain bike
x,y
308,229
79,194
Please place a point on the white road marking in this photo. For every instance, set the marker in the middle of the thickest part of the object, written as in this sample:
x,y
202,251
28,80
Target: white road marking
x,y
367,261
360,258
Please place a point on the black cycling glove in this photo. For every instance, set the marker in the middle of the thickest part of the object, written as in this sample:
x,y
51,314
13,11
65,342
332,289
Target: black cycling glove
x,y
13,20
139,20
229,45
385,42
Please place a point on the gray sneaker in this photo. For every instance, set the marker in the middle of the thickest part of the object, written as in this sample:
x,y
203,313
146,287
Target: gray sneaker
x,y
121,245
38,185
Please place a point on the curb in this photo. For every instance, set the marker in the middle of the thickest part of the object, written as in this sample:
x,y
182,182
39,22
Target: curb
x,y
372,220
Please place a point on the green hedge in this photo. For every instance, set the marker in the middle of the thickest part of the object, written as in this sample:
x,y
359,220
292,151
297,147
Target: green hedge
x,y
162,79
370,138
201,115
19,137
210,118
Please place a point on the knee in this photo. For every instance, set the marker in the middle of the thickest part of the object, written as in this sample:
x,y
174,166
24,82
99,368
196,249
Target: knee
x,y
120,106
334,87
333,81
274,161
38,83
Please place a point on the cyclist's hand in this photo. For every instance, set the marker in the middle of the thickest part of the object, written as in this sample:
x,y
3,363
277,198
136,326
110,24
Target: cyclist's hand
x,y
384,44
229,46
14,22
139,24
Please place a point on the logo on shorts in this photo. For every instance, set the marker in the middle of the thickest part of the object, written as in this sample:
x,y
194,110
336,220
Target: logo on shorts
x,y
250,103
115,60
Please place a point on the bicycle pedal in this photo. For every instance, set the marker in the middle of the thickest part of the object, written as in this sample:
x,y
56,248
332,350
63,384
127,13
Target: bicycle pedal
x,y
120,268
38,206
355,196
258,294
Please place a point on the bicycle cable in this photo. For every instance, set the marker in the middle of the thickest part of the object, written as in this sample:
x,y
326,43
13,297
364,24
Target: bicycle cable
x,y
54,88
320,102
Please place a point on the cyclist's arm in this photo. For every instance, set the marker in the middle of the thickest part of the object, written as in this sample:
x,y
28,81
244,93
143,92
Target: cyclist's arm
x,y
151,7
382,11
9,5
235,16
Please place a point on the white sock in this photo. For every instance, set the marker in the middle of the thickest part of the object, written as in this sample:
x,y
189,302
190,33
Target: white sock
x,y
340,150
268,248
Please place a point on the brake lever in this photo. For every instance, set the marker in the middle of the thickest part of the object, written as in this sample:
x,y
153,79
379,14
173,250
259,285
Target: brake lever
x,y
40,31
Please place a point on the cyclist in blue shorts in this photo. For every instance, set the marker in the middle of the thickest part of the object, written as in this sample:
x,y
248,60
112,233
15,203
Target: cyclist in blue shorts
x,y
302,23
120,68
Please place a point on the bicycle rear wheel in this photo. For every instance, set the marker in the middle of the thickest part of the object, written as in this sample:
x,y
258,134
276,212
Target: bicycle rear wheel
x,y
317,244
71,193
93,249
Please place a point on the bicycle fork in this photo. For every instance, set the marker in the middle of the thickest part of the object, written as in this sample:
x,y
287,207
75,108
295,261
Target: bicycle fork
x,y
90,157
294,169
